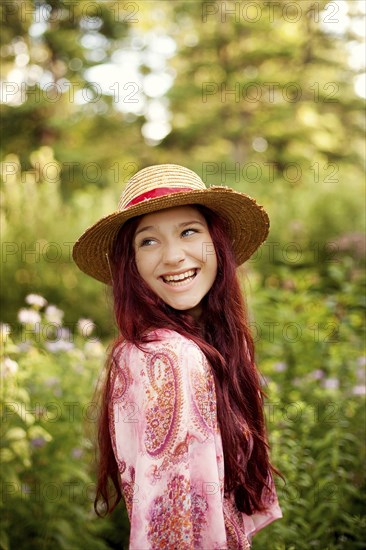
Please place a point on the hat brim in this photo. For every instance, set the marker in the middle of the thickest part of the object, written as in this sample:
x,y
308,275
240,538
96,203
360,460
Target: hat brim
x,y
247,224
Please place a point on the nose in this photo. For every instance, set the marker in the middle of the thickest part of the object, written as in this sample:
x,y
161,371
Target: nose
x,y
173,253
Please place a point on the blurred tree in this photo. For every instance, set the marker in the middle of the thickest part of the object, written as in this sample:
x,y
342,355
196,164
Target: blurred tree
x,y
264,100
240,97
70,141
48,99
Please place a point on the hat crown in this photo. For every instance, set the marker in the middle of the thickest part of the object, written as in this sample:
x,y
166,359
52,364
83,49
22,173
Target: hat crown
x,y
159,177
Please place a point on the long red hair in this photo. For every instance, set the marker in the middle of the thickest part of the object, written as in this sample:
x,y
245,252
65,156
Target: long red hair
x,y
224,337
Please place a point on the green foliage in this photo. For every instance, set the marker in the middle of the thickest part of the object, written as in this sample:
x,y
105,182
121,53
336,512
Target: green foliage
x,y
36,248
297,148
48,419
310,351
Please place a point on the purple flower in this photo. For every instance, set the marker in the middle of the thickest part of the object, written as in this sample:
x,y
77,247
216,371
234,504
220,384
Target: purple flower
x,y
39,410
52,381
64,333
359,390
280,367
24,346
77,452
331,383
38,441
317,374
59,345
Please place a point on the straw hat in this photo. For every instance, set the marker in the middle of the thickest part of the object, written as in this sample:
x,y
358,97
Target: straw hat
x,y
163,186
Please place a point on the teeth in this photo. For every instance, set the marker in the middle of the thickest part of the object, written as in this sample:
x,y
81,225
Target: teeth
x,y
180,277
180,283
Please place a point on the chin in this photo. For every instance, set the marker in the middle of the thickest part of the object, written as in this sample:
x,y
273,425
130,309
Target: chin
x,y
182,307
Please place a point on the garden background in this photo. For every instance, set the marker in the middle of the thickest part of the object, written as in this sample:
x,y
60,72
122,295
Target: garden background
x,y
266,97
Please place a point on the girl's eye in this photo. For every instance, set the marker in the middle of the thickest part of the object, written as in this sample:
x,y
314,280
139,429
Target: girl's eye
x,y
146,242
190,229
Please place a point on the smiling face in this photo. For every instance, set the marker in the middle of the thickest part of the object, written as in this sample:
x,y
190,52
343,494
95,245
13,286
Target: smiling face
x,y
175,256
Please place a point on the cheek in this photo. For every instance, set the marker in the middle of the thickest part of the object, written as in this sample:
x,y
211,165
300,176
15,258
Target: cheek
x,y
144,265
210,256
211,264
202,251
140,265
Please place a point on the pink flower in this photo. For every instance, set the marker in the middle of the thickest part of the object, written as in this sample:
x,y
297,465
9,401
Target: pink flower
x,y
331,383
359,390
280,367
317,374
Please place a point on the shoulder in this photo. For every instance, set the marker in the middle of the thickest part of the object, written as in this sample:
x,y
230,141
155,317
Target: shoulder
x,y
167,340
158,340
168,335
162,342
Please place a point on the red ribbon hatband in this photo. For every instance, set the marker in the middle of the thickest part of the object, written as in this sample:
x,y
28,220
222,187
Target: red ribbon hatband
x,y
158,192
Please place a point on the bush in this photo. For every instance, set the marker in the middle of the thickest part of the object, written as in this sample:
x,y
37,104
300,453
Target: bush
x,y
310,338
48,417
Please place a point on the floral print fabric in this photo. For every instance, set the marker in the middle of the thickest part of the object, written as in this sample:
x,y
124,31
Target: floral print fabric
x,y
168,448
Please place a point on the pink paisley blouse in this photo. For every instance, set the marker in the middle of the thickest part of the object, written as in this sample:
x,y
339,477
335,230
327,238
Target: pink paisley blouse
x,y
168,447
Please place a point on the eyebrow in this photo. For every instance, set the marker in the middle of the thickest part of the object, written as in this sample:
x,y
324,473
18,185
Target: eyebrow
x,y
154,227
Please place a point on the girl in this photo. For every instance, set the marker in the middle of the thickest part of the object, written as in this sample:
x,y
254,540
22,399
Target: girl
x,y
181,430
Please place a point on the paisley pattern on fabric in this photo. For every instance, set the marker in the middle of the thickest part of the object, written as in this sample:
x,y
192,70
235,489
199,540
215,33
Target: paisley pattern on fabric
x,y
129,489
120,384
204,402
163,406
236,537
169,523
177,457
168,448
120,379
